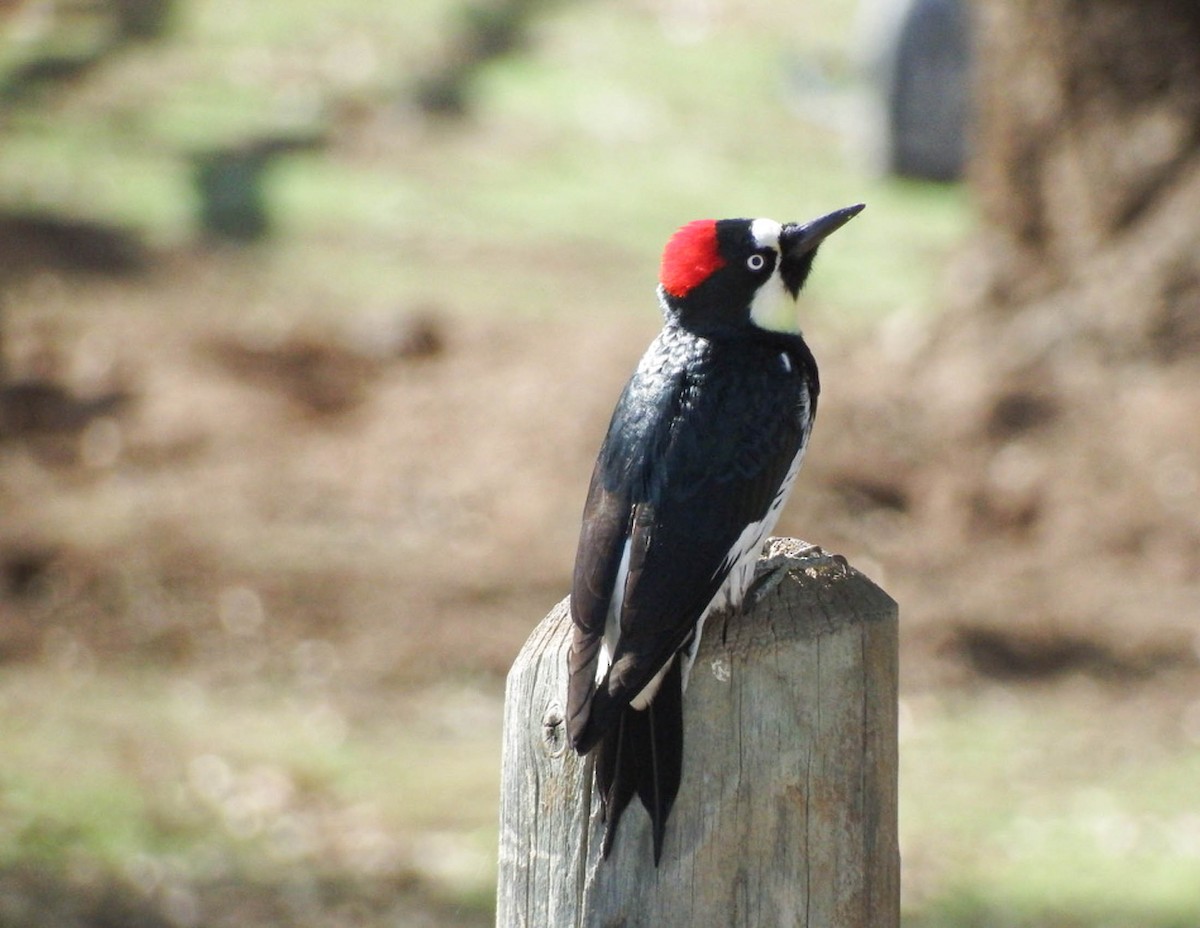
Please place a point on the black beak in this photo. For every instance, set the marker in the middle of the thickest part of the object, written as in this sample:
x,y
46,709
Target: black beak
x,y
798,244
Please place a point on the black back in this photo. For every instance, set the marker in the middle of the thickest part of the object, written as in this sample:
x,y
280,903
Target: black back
x,y
699,444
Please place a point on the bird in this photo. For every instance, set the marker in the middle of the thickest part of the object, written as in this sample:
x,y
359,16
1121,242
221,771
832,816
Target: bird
x,y
699,458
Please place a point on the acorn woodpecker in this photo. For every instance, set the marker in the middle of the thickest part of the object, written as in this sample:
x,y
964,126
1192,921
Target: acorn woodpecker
x,y
702,450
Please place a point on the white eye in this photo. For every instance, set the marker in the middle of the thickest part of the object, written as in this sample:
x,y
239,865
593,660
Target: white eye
x,y
755,262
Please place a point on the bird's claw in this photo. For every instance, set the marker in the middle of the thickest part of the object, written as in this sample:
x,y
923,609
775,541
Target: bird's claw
x,y
763,585
760,587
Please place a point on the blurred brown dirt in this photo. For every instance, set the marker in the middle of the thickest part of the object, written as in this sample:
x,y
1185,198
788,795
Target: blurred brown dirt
x,y
333,481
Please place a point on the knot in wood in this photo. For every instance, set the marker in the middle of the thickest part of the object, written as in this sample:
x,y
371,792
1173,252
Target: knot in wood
x,y
554,735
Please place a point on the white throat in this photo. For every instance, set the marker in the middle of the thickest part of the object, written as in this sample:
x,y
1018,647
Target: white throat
x,y
766,309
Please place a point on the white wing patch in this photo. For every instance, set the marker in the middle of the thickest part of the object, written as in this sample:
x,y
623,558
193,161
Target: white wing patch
x,y
612,622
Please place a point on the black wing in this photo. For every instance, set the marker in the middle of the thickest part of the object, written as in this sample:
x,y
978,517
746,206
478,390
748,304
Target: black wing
x,y
685,467
606,518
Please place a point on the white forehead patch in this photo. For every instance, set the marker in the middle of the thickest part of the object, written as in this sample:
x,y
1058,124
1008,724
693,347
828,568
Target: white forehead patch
x,y
766,233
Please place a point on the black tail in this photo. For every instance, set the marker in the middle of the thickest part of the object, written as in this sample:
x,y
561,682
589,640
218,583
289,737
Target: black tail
x,y
643,753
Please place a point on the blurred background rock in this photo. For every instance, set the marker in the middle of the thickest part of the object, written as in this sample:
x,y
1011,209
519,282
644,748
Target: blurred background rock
x,y
311,319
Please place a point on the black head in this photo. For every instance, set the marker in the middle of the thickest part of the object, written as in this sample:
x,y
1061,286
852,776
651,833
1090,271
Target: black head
x,y
722,273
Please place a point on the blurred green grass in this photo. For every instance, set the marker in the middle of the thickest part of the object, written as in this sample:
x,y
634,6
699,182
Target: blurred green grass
x,y
1017,808
124,765
608,134
1048,806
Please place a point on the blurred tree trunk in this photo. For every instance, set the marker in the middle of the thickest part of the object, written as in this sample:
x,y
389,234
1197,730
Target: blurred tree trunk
x,y
1048,418
1087,172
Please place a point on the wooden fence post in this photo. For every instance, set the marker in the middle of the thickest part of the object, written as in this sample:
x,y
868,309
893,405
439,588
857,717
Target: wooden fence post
x,y
786,815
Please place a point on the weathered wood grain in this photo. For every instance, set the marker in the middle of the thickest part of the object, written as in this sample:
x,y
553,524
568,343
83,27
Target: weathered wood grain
x,y
787,810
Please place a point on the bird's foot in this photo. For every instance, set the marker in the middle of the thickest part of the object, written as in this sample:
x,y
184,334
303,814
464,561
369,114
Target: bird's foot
x,y
763,585
760,588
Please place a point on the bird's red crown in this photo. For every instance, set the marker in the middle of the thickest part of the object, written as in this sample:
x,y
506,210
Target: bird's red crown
x,y
690,257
